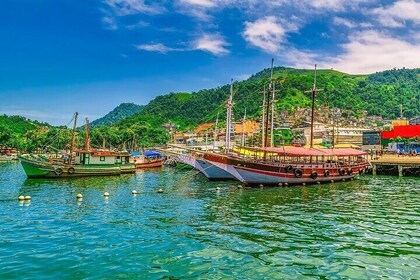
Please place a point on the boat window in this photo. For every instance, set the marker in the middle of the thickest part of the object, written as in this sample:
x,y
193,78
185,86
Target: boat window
x,y
102,158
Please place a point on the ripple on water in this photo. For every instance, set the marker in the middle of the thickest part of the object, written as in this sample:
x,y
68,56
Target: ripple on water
x,y
366,228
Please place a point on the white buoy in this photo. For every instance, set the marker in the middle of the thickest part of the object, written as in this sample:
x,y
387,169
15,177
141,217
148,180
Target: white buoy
x,y
27,197
21,197
280,184
134,192
303,184
318,182
286,184
240,186
217,188
160,191
106,194
79,195
332,181
344,180
261,185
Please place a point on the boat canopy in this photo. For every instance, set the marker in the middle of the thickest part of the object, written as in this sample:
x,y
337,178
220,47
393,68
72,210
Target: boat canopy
x,y
301,151
146,153
102,153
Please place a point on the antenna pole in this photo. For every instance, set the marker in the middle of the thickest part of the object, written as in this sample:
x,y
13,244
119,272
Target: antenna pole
x,y
73,137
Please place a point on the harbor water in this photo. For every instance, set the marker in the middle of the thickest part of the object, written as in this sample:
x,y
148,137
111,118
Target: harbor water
x,y
362,229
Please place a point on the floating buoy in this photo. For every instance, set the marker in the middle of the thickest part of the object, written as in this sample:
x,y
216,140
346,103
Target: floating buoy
x,y
27,197
79,195
286,184
240,186
332,181
261,185
106,194
134,192
217,188
160,191
303,184
21,197
318,182
344,180
280,184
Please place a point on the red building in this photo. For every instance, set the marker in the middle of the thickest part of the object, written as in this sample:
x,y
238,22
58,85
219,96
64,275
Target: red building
x,y
406,131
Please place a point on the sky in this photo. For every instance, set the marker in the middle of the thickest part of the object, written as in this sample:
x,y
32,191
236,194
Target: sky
x,y
62,56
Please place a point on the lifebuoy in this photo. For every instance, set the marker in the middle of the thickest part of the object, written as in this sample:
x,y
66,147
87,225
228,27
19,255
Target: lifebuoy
x,y
289,169
341,172
314,175
350,171
58,171
298,173
326,173
70,170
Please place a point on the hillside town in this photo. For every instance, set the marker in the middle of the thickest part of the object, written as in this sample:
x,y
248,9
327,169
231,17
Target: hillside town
x,y
332,128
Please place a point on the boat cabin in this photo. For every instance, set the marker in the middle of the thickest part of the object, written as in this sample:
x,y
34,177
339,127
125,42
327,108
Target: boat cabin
x,y
101,157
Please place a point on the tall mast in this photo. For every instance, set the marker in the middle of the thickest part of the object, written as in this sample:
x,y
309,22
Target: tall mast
x,y
267,113
272,105
263,120
87,139
215,132
314,90
73,137
243,130
229,117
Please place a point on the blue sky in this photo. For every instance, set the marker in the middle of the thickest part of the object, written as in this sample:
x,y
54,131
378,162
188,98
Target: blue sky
x,y
62,56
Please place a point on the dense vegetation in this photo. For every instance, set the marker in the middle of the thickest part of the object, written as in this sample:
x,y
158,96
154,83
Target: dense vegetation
x,y
378,94
121,112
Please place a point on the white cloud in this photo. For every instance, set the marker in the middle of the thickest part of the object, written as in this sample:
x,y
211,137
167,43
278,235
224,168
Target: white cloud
x,y
139,24
398,13
371,51
155,48
343,21
201,3
212,43
265,33
332,5
131,7
350,24
109,23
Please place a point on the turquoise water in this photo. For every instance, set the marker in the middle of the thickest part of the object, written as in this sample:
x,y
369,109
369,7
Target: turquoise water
x,y
367,228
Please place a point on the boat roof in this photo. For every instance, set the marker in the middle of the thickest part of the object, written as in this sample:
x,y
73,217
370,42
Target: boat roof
x,y
102,153
301,151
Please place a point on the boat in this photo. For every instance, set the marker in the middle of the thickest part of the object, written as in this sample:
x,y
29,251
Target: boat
x,y
147,159
197,159
268,165
78,163
293,165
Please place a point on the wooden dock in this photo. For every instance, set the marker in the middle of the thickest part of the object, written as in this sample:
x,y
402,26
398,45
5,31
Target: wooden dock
x,y
402,163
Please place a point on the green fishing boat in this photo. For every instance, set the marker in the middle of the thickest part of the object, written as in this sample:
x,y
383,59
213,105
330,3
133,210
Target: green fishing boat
x,y
78,163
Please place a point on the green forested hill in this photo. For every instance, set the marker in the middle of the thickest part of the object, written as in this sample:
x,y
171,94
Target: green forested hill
x,y
378,94
16,131
119,113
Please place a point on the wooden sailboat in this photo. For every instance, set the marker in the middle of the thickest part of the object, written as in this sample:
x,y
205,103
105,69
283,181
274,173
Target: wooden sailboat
x,y
268,165
78,163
